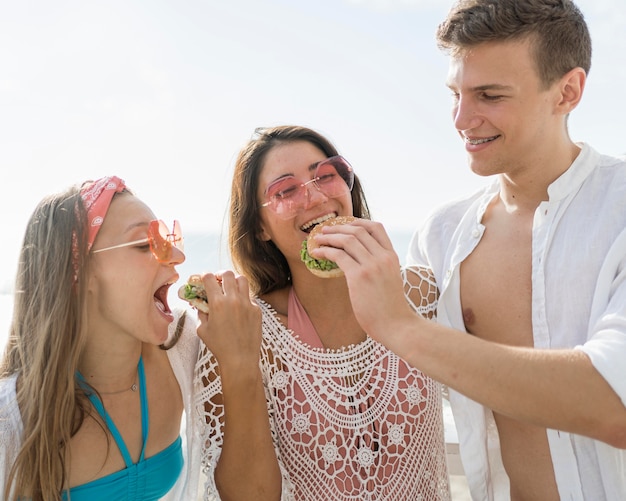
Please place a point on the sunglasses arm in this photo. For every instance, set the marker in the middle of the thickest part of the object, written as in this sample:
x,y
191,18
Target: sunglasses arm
x,y
127,244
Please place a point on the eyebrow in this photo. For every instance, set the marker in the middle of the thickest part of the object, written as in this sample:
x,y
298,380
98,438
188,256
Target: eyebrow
x,y
482,88
311,168
492,87
134,226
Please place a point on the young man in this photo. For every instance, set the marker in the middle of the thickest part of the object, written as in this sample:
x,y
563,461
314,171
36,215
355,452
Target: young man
x,y
531,332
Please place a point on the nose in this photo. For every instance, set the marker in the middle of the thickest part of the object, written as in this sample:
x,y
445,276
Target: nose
x,y
464,114
313,193
178,257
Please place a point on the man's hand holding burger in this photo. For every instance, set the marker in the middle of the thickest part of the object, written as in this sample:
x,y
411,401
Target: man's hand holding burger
x,y
365,254
323,268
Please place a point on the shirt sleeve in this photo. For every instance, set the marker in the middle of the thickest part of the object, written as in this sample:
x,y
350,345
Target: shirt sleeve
x,y
606,345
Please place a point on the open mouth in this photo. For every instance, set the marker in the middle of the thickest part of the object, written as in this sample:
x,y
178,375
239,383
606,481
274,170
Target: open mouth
x,y
307,227
160,298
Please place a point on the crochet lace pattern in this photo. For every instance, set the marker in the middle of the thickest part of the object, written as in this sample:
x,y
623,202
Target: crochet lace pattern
x,y
355,424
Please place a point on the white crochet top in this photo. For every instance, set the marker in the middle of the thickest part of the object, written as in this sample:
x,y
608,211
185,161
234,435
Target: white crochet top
x,y
355,424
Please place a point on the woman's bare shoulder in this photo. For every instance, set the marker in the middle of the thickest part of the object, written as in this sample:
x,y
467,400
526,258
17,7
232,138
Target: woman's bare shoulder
x,y
278,300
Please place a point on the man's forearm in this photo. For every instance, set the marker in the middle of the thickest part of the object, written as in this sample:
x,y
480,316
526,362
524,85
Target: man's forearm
x,y
557,389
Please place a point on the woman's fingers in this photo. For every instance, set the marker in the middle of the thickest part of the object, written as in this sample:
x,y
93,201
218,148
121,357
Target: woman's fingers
x,y
232,330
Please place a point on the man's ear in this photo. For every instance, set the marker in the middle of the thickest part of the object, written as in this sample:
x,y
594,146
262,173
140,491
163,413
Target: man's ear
x,y
571,87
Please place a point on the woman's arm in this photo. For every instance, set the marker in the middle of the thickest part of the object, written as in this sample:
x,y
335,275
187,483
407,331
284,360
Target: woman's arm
x,y
234,398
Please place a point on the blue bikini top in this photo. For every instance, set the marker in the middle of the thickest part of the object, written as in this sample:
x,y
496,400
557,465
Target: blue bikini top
x,y
148,479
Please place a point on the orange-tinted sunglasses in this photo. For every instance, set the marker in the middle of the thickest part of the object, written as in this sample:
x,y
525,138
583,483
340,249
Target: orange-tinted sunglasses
x,y
160,239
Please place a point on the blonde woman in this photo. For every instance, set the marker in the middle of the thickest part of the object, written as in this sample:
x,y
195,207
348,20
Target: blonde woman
x,y
93,388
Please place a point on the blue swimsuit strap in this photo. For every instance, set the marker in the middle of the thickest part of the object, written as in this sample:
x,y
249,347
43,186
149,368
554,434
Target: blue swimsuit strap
x,y
97,403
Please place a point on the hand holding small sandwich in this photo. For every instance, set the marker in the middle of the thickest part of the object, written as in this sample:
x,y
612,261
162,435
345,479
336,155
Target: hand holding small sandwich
x,y
230,322
363,252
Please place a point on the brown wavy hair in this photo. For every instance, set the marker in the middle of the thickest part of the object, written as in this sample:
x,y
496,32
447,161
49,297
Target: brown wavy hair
x,y
260,261
556,28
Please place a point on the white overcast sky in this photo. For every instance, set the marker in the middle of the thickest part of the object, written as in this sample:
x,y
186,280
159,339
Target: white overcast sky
x,y
164,93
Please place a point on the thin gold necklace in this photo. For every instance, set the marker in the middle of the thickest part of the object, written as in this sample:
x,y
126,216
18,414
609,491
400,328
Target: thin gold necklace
x,y
133,387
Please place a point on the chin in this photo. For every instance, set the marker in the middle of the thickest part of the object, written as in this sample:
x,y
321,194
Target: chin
x,y
160,334
482,169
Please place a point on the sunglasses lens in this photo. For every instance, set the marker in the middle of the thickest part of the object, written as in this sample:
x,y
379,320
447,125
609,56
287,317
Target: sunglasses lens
x,y
335,177
176,237
162,240
285,195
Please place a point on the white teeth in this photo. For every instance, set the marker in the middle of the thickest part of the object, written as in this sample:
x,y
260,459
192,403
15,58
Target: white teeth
x,y
479,141
316,221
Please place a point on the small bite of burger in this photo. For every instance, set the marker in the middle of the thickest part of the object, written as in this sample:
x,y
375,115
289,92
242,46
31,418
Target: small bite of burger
x,y
193,292
323,268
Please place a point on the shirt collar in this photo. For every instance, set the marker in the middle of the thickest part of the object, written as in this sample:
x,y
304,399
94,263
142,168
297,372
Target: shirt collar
x,y
574,176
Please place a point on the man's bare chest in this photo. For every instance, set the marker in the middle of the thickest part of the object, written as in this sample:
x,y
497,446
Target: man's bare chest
x,y
496,286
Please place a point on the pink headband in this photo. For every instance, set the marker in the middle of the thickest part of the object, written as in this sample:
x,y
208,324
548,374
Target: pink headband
x,y
97,196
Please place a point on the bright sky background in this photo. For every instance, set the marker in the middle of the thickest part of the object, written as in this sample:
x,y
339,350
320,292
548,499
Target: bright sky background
x,y
163,94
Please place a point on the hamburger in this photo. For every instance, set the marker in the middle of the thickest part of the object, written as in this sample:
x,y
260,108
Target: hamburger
x,y
323,268
193,292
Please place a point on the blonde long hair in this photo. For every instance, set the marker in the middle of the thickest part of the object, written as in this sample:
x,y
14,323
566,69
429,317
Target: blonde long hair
x,y
46,338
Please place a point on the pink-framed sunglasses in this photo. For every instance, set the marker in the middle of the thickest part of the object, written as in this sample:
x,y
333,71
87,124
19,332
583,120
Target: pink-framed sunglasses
x,y
286,196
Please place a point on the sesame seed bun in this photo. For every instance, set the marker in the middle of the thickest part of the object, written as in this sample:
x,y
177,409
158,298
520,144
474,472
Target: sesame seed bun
x,y
311,244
